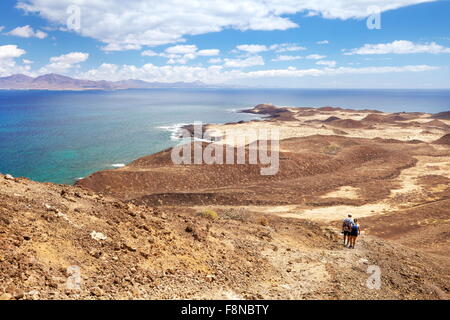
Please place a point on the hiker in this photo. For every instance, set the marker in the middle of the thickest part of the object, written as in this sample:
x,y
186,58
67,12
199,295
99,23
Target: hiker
x,y
354,233
347,228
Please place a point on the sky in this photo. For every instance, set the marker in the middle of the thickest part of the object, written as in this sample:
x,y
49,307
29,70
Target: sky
x,y
249,43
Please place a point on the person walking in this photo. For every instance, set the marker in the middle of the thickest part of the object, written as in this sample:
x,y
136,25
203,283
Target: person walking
x,y
354,233
347,228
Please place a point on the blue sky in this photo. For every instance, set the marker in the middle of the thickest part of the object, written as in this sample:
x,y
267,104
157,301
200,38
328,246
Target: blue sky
x,y
309,44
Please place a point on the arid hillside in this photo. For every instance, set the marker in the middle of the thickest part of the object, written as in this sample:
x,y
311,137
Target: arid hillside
x,y
63,242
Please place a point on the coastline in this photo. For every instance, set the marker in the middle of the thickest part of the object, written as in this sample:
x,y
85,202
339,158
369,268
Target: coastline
x,y
326,121
365,123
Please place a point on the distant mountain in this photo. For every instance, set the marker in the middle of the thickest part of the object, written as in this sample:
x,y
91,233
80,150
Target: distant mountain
x,y
15,80
54,81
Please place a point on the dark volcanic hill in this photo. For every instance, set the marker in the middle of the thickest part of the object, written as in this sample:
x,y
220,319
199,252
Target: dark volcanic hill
x,y
442,115
445,140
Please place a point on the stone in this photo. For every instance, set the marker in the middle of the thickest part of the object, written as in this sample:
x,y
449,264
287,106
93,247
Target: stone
x,y
18,294
98,236
10,290
9,177
5,296
132,248
4,221
95,253
97,292
33,294
364,261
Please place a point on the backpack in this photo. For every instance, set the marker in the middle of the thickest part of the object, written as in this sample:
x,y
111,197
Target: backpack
x,y
348,223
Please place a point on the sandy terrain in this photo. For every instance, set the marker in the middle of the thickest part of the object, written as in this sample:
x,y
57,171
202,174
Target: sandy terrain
x,y
309,121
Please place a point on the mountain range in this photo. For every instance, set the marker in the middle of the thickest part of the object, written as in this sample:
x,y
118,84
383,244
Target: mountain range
x,y
54,81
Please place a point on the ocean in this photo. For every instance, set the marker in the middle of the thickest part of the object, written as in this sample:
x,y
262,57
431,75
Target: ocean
x,y
61,136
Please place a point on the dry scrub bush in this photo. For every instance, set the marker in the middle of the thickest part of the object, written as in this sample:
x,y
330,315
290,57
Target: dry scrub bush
x,y
264,221
239,214
209,214
331,150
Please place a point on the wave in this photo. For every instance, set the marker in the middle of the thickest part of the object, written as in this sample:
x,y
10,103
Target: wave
x,y
202,140
175,130
118,165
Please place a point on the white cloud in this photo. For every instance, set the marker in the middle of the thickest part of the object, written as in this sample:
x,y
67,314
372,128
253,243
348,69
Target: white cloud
x,y
208,52
315,57
182,59
323,42
10,51
64,63
182,49
328,63
280,47
377,59
215,60
149,53
8,65
399,47
243,63
70,58
121,46
217,74
287,47
293,72
26,61
40,34
287,58
150,72
252,48
27,32
181,54
124,25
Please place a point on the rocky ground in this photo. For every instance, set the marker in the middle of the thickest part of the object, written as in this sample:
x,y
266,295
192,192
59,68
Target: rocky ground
x,y
124,251
154,230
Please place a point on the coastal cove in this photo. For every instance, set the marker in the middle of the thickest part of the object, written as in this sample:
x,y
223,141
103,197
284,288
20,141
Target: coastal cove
x,y
60,136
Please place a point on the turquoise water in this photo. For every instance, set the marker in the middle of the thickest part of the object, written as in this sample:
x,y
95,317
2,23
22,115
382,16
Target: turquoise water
x,y
60,136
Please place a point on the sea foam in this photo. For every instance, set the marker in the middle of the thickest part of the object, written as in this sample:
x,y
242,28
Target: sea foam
x,y
175,130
